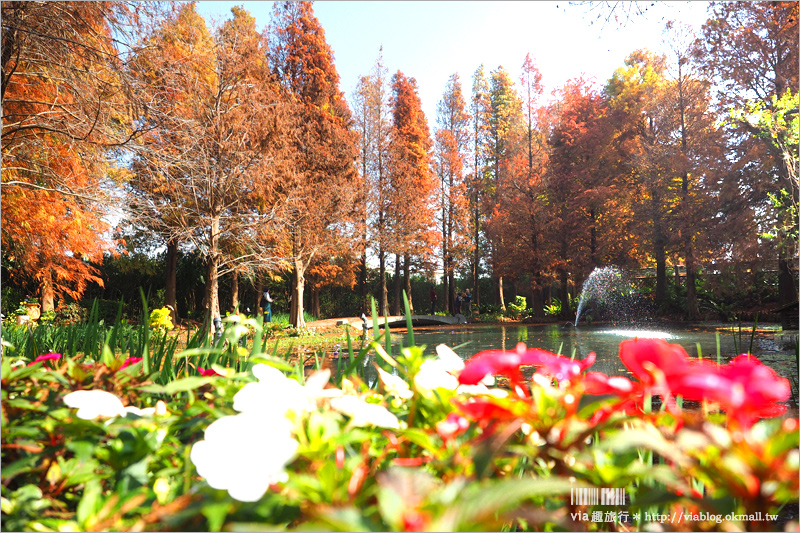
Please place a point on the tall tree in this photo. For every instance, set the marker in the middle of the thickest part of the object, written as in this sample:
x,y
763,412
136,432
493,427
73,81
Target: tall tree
x,y
578,185
373,121
411,208
753,48
481,110
206,174
643,138
452,145
364,128
531,83
505,127
322,187
64,109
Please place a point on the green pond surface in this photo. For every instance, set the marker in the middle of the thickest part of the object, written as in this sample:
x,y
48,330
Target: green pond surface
x,y
773,347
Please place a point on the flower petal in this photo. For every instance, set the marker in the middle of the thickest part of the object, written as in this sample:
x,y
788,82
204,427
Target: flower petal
x,y
94,403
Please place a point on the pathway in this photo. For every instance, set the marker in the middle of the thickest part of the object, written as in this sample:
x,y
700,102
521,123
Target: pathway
x,y
392,321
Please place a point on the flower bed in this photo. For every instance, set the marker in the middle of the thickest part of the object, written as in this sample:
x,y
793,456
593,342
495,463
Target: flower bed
x,y
434,444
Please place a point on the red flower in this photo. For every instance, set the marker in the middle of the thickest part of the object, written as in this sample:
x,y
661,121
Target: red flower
x,y
629,407
599,383
639,354
745,388
563,368
130,361
207,371
484,410
46,357
508,364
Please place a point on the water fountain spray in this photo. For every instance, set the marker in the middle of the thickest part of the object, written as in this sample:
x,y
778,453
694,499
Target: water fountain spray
x,y
607,290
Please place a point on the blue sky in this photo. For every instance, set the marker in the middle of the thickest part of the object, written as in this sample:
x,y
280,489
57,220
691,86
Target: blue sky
x,y
431,40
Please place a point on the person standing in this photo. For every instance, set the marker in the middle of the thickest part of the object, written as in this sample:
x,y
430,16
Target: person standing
x,y
459,300
266,305
468,302
433,299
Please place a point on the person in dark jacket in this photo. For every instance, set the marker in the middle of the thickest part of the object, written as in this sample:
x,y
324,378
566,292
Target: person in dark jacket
x,y
433,299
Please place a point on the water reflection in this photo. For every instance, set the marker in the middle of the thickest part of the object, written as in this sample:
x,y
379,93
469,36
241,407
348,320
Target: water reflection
x,y
604,341
640,333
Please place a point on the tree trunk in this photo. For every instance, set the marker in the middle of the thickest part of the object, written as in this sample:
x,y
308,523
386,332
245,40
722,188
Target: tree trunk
x,y
170,289
476,293
661,269
315,291
407,280
234,292
384,310
211,300
537,296
500,293
397,295
659,244
259,291
48,293
566,312
593,239
692,310
787,289
362,283
451,296
296,318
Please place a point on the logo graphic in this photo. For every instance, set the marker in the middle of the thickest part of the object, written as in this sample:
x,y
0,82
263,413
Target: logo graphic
x,y
598,496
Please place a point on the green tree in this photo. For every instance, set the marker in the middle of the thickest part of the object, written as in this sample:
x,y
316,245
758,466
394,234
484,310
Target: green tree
x,y
452,144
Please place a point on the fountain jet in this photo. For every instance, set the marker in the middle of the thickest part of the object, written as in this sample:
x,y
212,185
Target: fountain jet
x,y
609,291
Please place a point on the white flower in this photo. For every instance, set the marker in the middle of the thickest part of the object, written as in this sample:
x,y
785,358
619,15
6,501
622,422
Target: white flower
x,y
94,403
147,411
245,453
363,413
450,359
434,374
274,391
395,384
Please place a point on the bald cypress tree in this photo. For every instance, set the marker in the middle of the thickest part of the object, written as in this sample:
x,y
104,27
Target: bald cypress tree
x,y
320,189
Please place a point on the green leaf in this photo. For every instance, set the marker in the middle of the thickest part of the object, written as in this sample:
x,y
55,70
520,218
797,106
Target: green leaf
x,y
216,513
90,503
186,384
21,466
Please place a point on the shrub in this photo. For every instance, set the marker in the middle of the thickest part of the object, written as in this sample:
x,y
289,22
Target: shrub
x,y
70,313
160,319
517,308
553,308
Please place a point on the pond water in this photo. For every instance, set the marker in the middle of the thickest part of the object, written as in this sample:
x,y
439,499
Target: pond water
x,y
773,347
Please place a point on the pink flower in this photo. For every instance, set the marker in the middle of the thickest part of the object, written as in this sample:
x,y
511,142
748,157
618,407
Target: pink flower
x,y
599,383
642,355
484,410
130,361
563,368
46,357
745,388
508,364
451,426
207,371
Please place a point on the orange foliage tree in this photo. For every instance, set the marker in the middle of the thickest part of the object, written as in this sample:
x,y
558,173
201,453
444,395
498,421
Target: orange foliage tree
x,y
452,145
411,208
319,191
206,173
65,108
